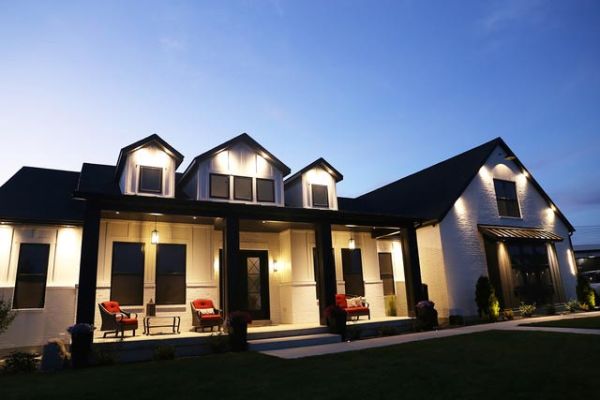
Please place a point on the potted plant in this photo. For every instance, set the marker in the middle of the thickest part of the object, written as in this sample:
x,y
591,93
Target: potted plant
x,y
81,344
237,328
336,320
427,315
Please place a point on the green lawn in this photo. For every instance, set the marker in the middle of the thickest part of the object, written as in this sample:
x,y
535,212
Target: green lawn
x,y
489,365
581,323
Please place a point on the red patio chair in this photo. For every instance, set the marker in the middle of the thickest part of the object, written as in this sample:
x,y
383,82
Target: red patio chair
x,y
115,319
205,315
341,300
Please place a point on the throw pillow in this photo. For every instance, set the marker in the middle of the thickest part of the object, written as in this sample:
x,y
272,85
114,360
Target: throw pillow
x,y
205,311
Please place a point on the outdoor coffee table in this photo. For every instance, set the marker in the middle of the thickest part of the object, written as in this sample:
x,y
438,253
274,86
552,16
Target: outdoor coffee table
x,y
161,322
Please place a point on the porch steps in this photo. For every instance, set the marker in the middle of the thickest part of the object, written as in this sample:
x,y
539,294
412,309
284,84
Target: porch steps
x,y
277,343
256,334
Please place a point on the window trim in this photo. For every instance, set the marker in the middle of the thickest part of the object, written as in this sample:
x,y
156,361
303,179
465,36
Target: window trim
x,y
14,294
153,191
272,191
210,192
312,194
235,196
157,274
506,199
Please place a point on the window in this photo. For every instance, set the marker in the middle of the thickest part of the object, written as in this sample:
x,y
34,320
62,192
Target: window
x,y
242,188
531,271
353,274
265,190
170,274
219,186
127,285
506,196
386,273
30,287
150,180
320,197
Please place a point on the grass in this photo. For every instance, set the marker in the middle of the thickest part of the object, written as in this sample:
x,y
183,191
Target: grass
x,y
578,323
490,365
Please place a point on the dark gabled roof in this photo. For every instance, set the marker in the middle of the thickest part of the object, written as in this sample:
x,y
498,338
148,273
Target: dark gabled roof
x,y
320,162
40,195
152,139
432,192
99,179
243,138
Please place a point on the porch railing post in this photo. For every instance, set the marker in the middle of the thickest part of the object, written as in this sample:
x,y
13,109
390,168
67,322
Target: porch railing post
x,y
326,268
88,267
231,270
412,269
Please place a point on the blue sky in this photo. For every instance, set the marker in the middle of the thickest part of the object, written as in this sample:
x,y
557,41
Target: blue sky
x,y
380,89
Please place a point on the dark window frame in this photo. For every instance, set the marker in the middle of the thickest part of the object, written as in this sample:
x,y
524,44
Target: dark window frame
x,y
244,178
262,200
112,274
384,276
312,191
20,275
210,183
354,278
160,275
141,189
508,205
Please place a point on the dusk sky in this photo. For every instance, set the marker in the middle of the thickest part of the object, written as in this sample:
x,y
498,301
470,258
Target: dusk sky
x,y
379,89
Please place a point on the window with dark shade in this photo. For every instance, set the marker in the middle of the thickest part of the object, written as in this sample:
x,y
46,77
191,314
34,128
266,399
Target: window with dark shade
x,y
386,273
150,180
320,196
219,186
32,268
265,190
506,197
127,284
242,188
353,272
170,273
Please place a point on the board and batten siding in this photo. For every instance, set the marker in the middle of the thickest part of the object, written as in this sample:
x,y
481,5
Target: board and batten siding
x,y
148,156
464,258
299,192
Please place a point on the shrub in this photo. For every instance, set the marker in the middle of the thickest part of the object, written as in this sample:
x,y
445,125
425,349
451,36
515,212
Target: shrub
x,y
20,361
550,309
584,307
572,305
507,314
427,316
7,315
164,352
488,305
218,343
456,320
527,310
585,293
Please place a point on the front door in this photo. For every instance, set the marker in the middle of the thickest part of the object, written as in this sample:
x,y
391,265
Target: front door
x,y
255,275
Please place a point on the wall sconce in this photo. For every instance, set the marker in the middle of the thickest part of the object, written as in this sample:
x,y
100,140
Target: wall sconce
x,y
351,244
154,238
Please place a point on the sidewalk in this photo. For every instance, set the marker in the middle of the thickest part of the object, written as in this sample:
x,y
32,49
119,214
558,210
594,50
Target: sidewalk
x,y
310,351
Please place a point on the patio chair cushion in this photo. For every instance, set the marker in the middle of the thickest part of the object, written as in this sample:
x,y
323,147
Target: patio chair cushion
x,y
340,300
354,310
111,306
203,303
206,311
211,316
128,321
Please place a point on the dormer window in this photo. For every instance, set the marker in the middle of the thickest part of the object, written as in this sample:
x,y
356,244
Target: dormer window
x,y
219,186
242,188
265,190
151,179
320,196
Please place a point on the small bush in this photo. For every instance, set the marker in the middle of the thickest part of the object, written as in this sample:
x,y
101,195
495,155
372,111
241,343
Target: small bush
x,y
164,352
387,330
456,320
527,310
488,305
427,316
572,305
584,307
550,309
585,293
7,315
507,314
218,343
20,361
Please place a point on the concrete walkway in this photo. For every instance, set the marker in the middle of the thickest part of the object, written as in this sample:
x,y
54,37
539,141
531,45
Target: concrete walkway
x,y
310,351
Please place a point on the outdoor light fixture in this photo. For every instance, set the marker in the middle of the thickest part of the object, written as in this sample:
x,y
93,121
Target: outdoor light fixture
x,y
154,235
526,174
274,265
351,244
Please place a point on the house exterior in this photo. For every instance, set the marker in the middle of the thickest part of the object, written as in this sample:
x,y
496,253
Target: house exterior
x,y
235,227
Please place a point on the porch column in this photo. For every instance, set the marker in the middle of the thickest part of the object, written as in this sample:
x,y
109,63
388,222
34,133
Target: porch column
x,y
325,268
412,269
88,267
231,271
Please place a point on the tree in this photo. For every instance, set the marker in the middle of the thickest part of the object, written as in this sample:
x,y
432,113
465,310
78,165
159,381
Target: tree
x,y
7,315
485,297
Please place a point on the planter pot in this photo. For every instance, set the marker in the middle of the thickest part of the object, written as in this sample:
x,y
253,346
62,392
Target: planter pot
x,y
337,325
238,336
